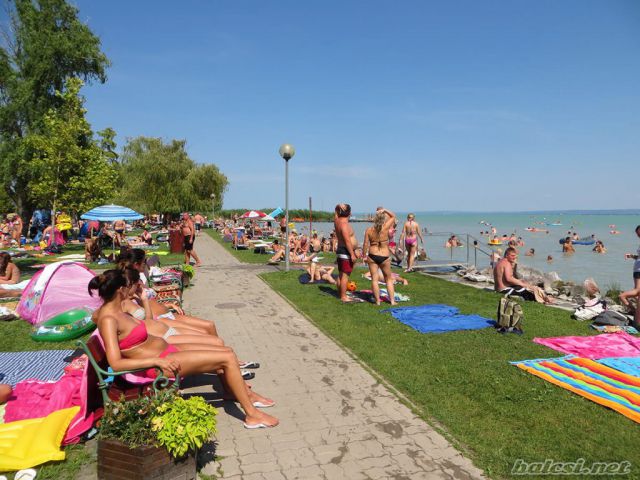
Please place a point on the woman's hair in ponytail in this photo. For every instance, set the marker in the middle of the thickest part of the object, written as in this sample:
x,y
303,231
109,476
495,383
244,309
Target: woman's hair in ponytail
x,y
107,284
131,275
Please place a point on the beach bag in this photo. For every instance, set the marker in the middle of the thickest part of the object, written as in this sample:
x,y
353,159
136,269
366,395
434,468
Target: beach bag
x,y
509,316
609,317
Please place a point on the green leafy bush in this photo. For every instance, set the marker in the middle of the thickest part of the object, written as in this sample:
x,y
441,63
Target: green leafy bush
x,y
165,419
184,425
188,270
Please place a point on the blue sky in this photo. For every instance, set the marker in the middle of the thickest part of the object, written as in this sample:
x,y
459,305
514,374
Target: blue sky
x,y
416,105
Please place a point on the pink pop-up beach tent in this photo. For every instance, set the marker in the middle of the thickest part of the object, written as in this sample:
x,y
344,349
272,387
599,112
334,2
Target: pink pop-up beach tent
x,y
56,288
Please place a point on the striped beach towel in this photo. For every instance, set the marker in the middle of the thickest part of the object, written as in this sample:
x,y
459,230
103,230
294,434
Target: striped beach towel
x,y
590,379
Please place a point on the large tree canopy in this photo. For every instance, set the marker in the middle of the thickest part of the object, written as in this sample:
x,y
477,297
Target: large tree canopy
x,y
69,169
160,177
45,47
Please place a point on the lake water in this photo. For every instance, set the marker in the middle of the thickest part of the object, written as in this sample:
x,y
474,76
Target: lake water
x,y
607,269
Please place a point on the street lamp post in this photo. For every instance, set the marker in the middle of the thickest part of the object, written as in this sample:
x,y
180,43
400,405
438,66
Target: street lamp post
x,y
287,152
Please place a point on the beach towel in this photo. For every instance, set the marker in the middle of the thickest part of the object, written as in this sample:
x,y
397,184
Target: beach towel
x,y
614,329
590,379
438,318
44,365
384,295
628,365
619,344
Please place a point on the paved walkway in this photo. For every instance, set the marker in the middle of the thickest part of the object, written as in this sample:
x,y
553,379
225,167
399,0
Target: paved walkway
x,y
337,421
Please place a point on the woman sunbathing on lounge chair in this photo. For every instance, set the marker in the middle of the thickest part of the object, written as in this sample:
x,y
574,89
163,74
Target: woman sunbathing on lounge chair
x,y
177,333
129,346
135,258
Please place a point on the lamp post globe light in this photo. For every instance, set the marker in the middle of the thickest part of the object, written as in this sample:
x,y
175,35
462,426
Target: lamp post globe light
x,y
287,152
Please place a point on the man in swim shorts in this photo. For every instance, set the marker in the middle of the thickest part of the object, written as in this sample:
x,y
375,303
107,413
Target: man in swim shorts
x,y
505,281
188,233
198,221
345,251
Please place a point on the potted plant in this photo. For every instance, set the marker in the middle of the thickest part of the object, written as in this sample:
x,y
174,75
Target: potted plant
x,y
187,274
153,437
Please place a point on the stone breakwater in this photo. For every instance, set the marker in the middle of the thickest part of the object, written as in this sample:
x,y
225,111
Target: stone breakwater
x,y
569,294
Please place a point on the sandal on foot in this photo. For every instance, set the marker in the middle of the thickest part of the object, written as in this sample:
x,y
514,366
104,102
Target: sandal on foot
x,y
247,375
257,425
244,365
259,404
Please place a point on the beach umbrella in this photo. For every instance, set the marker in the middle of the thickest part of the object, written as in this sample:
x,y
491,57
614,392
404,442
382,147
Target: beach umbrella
x,y
111,213
253,214
267,218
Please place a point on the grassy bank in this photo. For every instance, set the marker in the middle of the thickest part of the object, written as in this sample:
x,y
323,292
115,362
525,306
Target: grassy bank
x,y
463,382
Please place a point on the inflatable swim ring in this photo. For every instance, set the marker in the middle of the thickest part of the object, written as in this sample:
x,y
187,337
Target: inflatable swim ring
x,y
64,326
493,242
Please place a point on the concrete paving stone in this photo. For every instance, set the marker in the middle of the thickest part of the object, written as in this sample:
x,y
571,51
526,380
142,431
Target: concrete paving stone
x,y
305,457
332,471
287,459
258,467
255,458
275,475
230,466
379,461
313,472
407,463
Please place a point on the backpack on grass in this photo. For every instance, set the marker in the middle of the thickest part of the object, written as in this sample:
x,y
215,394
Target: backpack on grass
x,y
509,316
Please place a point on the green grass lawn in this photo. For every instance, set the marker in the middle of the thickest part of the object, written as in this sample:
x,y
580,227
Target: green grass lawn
x,y
463,382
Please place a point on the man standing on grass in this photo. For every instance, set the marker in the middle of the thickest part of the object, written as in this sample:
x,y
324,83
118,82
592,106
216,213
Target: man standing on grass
x,y
345,252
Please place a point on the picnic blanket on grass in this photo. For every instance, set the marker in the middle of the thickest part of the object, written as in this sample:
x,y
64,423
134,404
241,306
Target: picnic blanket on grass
x,y
438,318
628,365
590,379
619,344
45,365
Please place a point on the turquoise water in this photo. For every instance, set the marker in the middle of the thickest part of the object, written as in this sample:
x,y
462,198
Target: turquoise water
x,y
607,269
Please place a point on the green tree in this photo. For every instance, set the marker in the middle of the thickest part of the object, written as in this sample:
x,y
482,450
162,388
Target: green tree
x,y
45,46
68,168
160,177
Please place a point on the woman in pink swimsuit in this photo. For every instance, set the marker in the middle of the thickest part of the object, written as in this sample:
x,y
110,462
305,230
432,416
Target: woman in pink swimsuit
x,y
410,233
129,346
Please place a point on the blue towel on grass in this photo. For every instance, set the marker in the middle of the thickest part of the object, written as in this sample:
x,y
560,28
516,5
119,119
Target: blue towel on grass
x,y
629,365
438,318
44,365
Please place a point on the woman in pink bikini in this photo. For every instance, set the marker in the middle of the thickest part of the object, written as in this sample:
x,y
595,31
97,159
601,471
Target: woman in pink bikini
x,y
129,346
410,233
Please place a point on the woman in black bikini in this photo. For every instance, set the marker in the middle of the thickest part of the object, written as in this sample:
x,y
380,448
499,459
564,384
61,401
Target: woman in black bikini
x,y
376,251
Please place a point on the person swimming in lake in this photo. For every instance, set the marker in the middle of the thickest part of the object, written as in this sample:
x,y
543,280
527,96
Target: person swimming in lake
x,y
567,246
411,232
530,253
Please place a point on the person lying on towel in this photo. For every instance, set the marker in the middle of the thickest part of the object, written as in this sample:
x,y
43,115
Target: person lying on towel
x,y
507,283
10,284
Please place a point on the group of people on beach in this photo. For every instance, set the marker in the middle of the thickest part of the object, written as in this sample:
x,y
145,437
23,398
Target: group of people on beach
x,y
140,333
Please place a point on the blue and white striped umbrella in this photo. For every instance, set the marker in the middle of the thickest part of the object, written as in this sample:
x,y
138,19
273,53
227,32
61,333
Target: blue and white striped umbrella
x,y
111,213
